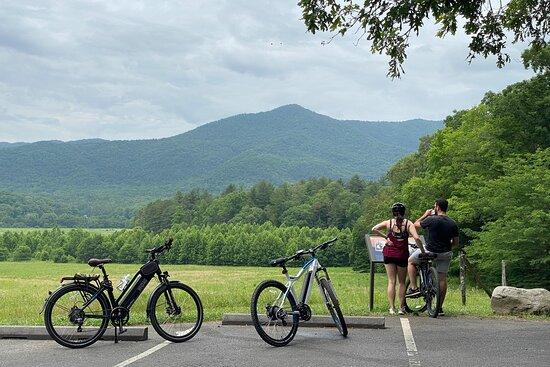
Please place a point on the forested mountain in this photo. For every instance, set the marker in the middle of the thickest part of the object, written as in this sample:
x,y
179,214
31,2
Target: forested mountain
x,y
286,144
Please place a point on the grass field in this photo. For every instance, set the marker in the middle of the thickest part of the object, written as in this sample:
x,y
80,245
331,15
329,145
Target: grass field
x,y
25,285
28,229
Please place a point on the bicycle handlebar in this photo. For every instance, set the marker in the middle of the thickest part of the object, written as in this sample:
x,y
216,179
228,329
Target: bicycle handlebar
x,y
324,245
157,250
301,253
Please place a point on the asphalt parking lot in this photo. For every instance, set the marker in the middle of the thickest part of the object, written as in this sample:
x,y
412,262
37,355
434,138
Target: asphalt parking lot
x,y
412,341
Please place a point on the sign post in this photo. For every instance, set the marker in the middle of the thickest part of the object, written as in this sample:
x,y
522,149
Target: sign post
x,y
376,244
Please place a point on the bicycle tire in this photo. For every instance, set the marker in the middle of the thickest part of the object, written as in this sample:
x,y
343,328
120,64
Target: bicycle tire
x,y
61,333
334,306
268,320
416,304
432,293
194,313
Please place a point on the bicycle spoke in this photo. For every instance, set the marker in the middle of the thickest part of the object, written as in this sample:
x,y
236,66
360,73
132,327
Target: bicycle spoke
x,y
274,313
70,323
178,317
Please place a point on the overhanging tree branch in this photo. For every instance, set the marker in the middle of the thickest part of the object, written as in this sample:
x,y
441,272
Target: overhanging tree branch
x,y
388,24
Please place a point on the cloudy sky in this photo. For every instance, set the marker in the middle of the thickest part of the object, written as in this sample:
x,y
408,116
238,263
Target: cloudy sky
x,y
147,69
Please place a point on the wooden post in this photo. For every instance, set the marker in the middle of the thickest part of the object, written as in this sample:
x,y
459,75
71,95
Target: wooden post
x,y
504,272
371,288
463,276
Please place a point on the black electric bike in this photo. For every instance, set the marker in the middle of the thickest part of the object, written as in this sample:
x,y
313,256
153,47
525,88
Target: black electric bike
x,y
78,313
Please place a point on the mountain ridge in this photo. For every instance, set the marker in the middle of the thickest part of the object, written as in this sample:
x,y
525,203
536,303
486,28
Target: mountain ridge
x,y
288,143
287,107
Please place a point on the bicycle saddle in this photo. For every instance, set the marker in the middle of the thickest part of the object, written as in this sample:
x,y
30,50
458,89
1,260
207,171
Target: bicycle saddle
x,y
96,262
427,255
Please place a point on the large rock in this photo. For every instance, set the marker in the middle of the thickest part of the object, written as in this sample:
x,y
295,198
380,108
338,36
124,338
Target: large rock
x,y
511,300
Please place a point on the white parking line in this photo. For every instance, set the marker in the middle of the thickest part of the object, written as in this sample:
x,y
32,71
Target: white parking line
x,y
144,354
412,352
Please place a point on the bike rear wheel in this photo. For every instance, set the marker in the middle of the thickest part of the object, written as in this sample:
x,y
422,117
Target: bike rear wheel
x,y
333,306
69,323
433,300
176,312
416,304
274,313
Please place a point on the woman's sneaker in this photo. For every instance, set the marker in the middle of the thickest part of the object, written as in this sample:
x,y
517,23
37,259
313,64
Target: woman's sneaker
x,y
440,312
401,311
392,311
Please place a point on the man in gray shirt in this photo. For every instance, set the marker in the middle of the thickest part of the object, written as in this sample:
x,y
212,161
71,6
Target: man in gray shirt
x,y
441,237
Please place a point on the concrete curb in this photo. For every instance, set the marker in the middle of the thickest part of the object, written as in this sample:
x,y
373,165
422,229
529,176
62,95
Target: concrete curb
x,y
359,322
137,333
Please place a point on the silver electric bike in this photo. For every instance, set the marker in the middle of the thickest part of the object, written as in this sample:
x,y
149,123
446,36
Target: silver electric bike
x,y
275,309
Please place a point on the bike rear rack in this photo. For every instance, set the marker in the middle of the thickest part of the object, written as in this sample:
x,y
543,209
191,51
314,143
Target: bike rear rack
x,y
83,279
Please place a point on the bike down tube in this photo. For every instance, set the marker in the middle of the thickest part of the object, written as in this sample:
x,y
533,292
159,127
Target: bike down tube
x,y
311,267
133,291
125,291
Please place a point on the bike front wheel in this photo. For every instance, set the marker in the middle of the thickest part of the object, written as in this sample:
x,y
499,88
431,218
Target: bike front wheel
x,y
274,313
333,306
432,296
74,318
176,312
414,304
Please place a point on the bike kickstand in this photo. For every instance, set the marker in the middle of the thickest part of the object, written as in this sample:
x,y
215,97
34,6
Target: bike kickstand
x,y
116,335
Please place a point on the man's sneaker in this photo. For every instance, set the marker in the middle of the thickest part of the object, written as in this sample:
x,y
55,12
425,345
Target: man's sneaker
x,y
411,292
440,312
392,311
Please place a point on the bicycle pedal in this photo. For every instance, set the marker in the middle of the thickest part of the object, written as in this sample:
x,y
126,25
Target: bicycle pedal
x,y
122,331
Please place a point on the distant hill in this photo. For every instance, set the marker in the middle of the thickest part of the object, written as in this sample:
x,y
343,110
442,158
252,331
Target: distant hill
x,y
288,143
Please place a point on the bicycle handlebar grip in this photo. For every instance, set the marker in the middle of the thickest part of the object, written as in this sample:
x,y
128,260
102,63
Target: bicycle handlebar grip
x,y
324,245
168,243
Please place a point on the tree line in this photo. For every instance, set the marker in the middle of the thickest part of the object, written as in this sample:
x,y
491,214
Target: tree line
x,y
94,210
316,202
218,244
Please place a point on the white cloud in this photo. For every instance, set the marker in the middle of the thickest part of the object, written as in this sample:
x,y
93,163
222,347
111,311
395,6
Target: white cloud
x,y
147,69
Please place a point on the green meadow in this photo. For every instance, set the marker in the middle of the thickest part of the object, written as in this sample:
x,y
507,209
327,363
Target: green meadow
x,y
223,289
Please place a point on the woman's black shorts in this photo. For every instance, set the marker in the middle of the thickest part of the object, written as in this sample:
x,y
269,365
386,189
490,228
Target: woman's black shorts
x,y
397,261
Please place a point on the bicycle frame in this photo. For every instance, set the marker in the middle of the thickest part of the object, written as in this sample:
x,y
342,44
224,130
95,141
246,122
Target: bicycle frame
x,y
423,272
310,268
134,288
